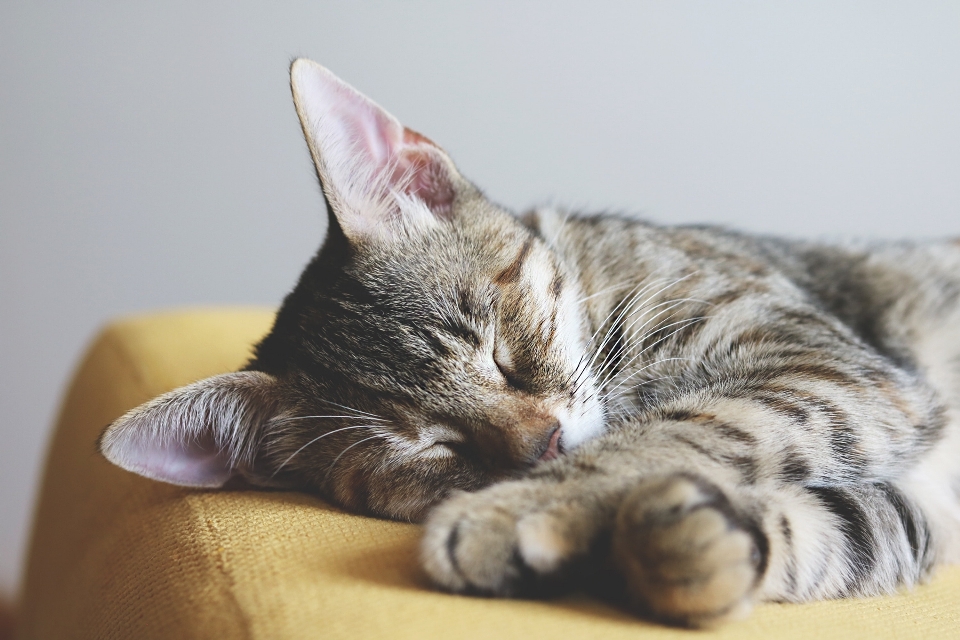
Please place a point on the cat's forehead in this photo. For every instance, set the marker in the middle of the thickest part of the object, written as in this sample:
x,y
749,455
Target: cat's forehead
x,y
474,258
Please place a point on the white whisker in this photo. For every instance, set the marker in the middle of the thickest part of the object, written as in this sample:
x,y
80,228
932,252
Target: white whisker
x,y
642,369
603,291
357,411
294,418
580,376
685,323
321,437
337,459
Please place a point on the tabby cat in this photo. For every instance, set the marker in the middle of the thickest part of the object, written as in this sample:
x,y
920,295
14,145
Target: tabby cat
x,y
722,418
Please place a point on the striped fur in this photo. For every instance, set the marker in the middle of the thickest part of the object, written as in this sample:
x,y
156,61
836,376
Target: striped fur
x,y
728,418
781,425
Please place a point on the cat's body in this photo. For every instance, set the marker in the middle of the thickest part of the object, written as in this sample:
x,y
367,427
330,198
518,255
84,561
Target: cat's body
x,y
790,400
728,418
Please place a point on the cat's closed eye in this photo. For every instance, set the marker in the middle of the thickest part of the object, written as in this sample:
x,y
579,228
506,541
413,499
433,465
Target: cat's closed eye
x,y
451,448
444,449
464,333
504,361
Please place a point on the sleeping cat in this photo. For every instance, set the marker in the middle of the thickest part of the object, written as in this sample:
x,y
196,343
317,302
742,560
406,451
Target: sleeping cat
x,y
725,419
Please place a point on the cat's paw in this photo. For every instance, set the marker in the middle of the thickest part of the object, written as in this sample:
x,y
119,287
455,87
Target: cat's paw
x,y
515,538
686,554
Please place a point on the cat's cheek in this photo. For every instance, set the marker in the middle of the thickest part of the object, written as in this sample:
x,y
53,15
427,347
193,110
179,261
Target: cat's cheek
x,y
421,483
410,508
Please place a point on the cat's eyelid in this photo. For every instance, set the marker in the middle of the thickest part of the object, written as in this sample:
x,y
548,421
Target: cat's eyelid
x,y
502,356
438,434
437,450
439,441
503,359
463,332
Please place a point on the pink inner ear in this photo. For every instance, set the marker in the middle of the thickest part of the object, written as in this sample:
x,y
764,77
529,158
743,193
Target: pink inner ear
x,y
379,141
375,135
428,180
195,464
199,435
352,135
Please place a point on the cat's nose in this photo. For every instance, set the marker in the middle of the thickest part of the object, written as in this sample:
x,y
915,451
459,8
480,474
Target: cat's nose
x,y
553,449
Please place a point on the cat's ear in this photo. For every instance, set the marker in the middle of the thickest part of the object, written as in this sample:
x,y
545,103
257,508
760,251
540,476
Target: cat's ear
x,y
199,435
379,177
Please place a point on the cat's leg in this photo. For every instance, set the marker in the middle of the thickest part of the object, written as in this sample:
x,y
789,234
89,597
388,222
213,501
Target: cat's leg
x,y
695,542
518,536
688,554
522,536
696,554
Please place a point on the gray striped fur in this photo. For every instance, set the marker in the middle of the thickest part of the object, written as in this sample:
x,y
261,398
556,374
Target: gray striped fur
x,y
781,424
723,418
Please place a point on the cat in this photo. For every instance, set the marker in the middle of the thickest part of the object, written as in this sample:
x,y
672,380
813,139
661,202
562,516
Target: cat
x,y
725,419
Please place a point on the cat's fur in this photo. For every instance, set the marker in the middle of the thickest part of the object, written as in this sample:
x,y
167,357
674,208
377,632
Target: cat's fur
x,y
726,418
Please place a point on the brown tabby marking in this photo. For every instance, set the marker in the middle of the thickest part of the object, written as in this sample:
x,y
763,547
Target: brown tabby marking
x,y
726,419
511,274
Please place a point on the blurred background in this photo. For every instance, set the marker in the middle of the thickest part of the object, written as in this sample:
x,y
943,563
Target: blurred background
x,y
150,156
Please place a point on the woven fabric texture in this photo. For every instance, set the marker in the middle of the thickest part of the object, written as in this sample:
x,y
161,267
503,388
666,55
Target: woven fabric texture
x,y
116,556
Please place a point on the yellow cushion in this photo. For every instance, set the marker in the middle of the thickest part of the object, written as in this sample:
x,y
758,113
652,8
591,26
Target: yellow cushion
x,y
116,556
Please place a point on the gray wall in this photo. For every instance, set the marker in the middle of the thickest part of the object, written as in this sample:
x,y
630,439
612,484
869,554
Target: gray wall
x,y
150,155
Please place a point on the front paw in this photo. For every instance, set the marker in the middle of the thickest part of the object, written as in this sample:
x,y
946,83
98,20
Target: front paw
x,y
515,538
687,555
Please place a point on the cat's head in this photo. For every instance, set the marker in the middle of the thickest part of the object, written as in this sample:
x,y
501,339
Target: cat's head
x,y
434,343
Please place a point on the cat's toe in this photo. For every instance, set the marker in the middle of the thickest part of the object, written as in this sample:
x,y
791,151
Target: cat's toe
x,y
470,546
501,541
687,555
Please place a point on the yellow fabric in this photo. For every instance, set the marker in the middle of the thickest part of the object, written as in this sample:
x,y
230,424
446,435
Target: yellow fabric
x,y
117,556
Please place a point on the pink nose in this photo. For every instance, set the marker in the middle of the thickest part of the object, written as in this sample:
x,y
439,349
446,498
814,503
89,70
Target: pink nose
x,y
553,447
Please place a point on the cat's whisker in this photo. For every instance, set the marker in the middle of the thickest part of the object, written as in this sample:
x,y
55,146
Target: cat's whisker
x,y
613,402
680,324
623,284
337,459
624,304
603,291
617,366
294,418
684,325
617,394
583,365
670,304
357,411
613,357
686,322
642,369
610,359
318,438
630,302
624,307
607,397
624,399
640,308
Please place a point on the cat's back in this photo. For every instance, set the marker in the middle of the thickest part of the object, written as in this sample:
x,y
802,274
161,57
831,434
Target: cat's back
x,y
860,282
621,246
900,297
